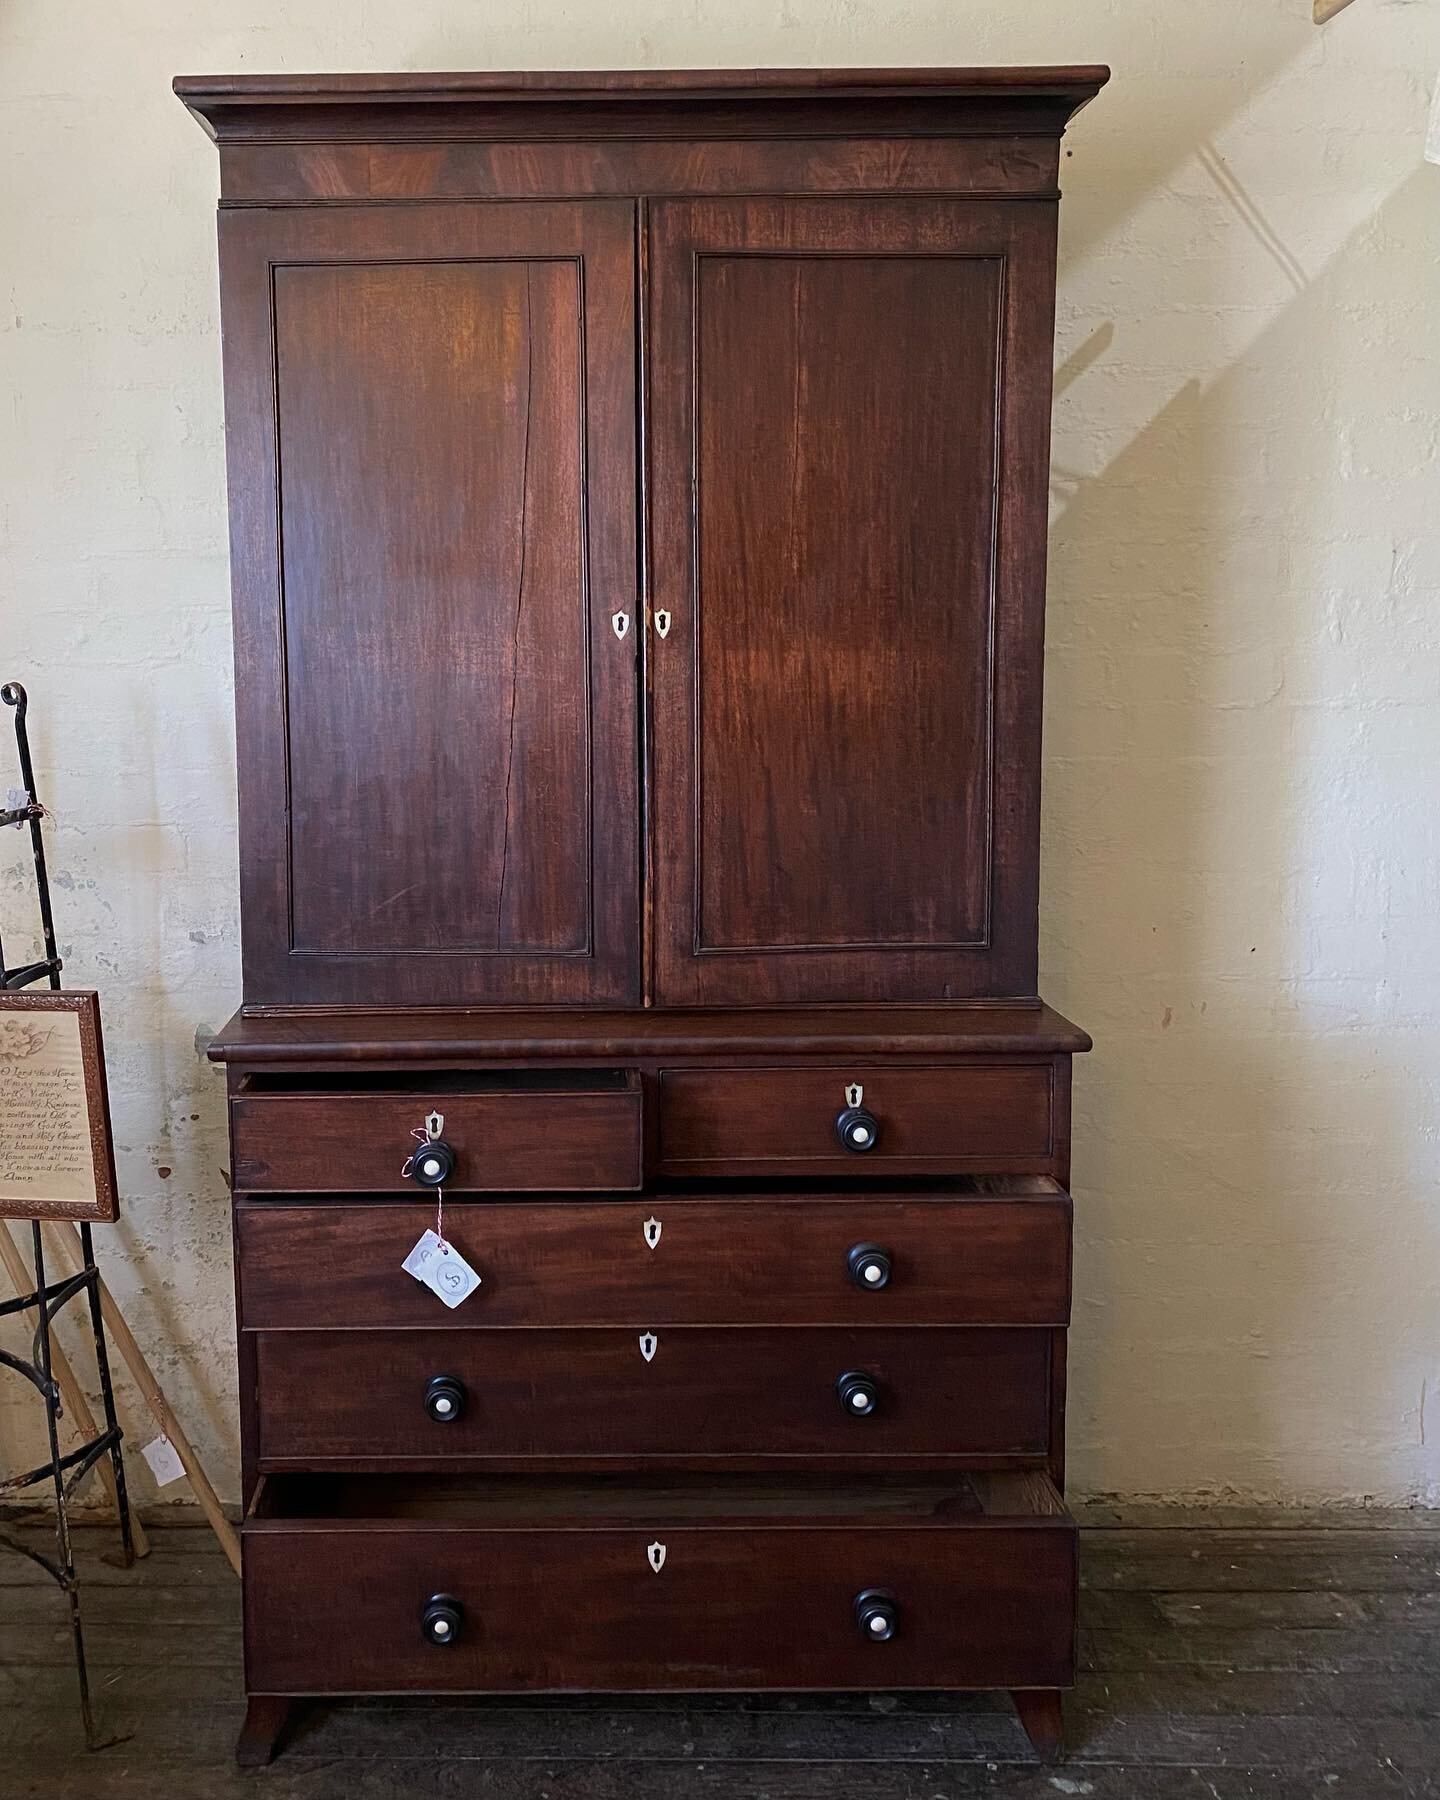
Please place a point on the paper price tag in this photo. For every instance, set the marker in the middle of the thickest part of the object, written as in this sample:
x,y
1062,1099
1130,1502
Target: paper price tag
x,y
442,1269
164,1460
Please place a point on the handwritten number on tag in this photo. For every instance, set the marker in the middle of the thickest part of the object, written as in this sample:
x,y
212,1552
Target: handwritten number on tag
x,y
440,1267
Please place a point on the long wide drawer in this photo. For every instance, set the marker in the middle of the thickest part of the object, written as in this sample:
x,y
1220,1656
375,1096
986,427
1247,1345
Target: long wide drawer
x,y
542,1133
372,1397
995,1117
1000,1257
538,1586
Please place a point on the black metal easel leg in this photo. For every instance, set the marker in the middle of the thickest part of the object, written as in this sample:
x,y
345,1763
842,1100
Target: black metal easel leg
x,y
61,1470
65,1555
107,1395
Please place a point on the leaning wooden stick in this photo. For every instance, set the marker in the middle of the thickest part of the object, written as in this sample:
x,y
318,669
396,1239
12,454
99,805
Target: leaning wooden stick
x,y
74,1396
69,1238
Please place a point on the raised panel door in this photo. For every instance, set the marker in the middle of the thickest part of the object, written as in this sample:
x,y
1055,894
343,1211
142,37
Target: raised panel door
x,y
849,420
431,436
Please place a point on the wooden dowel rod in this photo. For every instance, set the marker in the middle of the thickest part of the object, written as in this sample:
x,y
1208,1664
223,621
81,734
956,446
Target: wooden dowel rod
x,y
156,1401
71,1391
1327,9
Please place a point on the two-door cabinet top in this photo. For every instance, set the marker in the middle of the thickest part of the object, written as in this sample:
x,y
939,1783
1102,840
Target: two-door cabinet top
x,y
639,583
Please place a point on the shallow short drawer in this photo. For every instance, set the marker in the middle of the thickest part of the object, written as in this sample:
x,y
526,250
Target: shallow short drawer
x,y
687,1393
544,1585
787,1121
999,1255
518,1132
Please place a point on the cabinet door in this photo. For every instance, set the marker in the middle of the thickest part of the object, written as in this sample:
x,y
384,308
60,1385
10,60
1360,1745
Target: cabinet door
x,y
431,434
850,427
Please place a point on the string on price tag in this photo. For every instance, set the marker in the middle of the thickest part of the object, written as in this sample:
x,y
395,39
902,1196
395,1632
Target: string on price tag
x,y
422,1138
433,1261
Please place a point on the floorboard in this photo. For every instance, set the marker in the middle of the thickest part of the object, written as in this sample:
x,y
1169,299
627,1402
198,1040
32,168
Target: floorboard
x,y
1219,1662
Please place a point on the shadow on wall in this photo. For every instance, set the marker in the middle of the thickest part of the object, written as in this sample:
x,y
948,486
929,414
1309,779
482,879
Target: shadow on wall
x,y
1233,740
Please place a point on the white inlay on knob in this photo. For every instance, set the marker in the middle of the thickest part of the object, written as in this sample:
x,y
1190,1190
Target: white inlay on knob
x,y
442,1628
873,1271
877,1624
442,1405
860,1401
430,1166
861,1134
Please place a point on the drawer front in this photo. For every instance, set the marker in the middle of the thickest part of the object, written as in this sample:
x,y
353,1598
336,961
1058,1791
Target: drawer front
x,y
533,1140
984,1605
986,1117
686,1394
668,1261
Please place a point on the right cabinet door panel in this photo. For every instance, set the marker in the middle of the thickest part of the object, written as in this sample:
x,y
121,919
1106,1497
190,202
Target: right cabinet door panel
x,y
849,417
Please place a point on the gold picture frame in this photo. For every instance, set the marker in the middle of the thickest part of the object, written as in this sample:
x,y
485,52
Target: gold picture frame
x,y
57,1156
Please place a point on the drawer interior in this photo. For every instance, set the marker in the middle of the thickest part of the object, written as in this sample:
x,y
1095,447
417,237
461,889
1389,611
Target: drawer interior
x,y
440,1081
578,1502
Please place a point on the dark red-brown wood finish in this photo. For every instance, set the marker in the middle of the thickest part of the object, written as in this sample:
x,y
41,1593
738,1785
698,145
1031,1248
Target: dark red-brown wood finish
x,y
638,499
850,549
556,1587
432,450
962,1253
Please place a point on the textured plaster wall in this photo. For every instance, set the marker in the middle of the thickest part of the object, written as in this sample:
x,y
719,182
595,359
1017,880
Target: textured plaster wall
x,y
1243,713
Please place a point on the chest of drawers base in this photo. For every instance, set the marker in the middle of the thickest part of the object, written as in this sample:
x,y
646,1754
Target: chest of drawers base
x,y
733,1407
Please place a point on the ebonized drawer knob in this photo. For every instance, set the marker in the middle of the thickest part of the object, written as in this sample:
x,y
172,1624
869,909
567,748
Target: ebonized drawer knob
x,y
444,1399
433,1163
857,1129
877,1615
442,1617
869,1265
858,1393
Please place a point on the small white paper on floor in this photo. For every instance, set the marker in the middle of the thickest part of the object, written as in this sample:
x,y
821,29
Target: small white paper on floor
x,y
164,1461
442,1269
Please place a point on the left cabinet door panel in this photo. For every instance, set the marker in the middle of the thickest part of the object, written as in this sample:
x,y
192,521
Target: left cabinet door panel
x,y
431,441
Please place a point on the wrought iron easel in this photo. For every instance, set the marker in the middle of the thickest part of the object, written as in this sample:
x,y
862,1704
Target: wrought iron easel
x,y
65,1471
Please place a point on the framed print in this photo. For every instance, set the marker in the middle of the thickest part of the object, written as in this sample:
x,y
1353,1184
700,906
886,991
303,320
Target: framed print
x,y
57,1158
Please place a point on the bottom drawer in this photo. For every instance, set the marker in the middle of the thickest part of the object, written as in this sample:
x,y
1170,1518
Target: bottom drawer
x,y
384,1584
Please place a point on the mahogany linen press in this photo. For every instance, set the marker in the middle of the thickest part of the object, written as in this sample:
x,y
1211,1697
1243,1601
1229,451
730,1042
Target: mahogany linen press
x,y
638,491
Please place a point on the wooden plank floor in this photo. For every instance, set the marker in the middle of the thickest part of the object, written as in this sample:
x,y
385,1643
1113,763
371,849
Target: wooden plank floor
x,y
1217,1663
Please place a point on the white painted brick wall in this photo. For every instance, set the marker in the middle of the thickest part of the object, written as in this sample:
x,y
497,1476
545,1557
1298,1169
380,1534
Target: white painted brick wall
x,y
1241,882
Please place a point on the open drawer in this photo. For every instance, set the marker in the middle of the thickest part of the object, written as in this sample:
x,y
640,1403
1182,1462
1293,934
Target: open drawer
x,y
519,1130
387,1584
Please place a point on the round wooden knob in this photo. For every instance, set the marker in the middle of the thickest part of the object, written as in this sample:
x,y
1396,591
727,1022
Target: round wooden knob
x,y
433,1163
444,1398
869,1265
858,1393
876,1615
441,1619
858,1129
